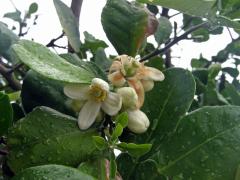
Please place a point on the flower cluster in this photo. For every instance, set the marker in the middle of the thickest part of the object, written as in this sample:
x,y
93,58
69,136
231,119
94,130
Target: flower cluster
x,y
130,80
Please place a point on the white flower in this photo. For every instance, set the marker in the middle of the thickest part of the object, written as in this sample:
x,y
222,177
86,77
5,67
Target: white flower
x,y
129,97
138,122
97,96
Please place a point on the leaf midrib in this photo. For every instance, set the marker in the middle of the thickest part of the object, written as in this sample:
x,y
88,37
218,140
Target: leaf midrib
x,y
172,163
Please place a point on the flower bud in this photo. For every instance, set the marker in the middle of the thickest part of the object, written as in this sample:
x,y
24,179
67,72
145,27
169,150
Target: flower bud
x,y
129,97
138,122
147,85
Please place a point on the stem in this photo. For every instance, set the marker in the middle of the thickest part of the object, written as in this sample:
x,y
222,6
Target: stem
x,y
173,42
12,81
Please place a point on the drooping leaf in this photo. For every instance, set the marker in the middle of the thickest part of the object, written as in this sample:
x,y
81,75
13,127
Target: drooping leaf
x,y
7,39
6,113
166,104
46,136
69,24
206,145
52,172
164,30
48,64
127,25
191,7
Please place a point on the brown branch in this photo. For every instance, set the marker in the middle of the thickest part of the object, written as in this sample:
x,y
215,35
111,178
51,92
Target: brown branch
x,y
173,42
12,81
52,42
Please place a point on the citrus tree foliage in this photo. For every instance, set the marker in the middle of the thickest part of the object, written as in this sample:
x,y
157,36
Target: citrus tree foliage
x,y
63,116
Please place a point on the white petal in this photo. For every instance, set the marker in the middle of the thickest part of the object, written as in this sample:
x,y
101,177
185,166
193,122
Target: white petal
x,y
117,79
112,103
129,97
76,91
100,83
153,74
88,114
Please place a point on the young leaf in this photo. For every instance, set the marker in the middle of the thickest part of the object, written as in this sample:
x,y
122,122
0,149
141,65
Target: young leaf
x,y
52,172
205,145
48,64
46,136
6,113
117,132
100,143
69,24
135,150
15,16
122,119
33,8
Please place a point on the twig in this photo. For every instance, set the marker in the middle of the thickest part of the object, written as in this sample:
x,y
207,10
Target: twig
x,y
17,66
52,42
12,81
174,15
230,33
173,42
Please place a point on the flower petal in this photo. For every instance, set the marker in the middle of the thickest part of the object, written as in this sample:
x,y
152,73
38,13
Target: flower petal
x,y
137,85
150,73
88,114
117,79
76,91
116,65
112,104
100,83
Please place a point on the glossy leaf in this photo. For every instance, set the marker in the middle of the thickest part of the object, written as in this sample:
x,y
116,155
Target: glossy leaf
x,y
100,143
191,7
48,64
166,104
122,119
52,172
164,30
135,150
69,24
46,136
126,25
7,39
231,94
205,145
6,113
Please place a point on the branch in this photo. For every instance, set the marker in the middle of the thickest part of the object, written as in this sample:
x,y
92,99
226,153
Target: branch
x,y
12,81
52,42
173,42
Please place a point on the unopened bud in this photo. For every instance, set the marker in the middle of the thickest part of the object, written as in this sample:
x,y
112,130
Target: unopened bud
x,y
138,122
147,85
129,97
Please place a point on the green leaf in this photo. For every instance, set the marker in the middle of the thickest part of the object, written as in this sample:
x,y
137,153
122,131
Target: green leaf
x,y
166,104
125,25
101,59
96,168
231,71
237,177
14,96
213,71
231,94
69,24
7,39
199,63
191,7
49,93
92,43
118,130
122,119
206,145
164,30
113,168
46,136
48,64
6,113
100,143
32,8
15,16
135,150
52,172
